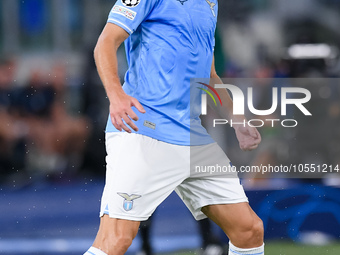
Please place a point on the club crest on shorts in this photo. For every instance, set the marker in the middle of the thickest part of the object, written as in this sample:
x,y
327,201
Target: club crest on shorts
x,y
128,200
130,3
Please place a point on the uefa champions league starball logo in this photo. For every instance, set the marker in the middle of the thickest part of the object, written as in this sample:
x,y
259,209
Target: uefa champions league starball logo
x,y
130,3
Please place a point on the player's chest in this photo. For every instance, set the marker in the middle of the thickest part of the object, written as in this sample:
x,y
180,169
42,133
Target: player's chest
x,y
195,15
202,6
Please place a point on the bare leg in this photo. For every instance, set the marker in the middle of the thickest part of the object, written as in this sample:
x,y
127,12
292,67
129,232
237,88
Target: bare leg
x,y
240,223
115,236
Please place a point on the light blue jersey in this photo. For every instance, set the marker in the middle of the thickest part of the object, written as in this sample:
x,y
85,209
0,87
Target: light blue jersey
x,y
170,42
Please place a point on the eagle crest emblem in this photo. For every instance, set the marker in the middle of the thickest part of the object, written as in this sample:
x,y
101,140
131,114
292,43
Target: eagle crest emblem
x,y
128,200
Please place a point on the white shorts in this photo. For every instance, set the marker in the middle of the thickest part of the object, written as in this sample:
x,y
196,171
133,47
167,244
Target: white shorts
x,y
142,172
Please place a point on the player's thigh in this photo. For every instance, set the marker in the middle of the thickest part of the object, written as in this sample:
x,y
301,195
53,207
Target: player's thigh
x,y
231,216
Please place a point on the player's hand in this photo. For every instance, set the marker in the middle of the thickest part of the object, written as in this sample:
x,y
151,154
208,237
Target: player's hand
x,y
248,137
121,109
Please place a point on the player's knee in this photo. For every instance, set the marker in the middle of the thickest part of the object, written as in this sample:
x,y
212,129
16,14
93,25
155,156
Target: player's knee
x,y
114,243
258,231
123,242
249,235
253,234
118,244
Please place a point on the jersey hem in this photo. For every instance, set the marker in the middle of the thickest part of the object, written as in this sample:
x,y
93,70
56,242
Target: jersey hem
x,y
167,140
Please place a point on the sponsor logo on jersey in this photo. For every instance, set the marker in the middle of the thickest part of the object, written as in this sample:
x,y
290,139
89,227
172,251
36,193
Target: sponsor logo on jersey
x,y
124,11
212,5
182,1
131,3
128,200
149,124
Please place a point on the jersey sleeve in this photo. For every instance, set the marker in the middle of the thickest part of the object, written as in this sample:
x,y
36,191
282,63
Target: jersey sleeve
x,y
129,14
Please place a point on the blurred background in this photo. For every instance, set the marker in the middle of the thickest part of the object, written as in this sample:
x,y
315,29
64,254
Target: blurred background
x,y
53,112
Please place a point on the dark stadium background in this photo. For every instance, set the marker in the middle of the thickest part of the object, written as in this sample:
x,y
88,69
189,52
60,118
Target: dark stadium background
x,y
53,113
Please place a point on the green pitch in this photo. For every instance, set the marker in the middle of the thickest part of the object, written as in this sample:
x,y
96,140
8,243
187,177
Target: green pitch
x,y
298,249
289,248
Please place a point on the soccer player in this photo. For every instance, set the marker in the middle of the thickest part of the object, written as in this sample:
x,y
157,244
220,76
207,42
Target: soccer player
x,y
154,134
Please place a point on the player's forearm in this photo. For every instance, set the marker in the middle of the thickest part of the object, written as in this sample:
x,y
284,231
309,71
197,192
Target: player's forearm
x,y
105,55
225,110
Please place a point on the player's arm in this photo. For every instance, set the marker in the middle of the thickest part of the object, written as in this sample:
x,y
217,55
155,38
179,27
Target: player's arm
x,y
248,137
105,55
